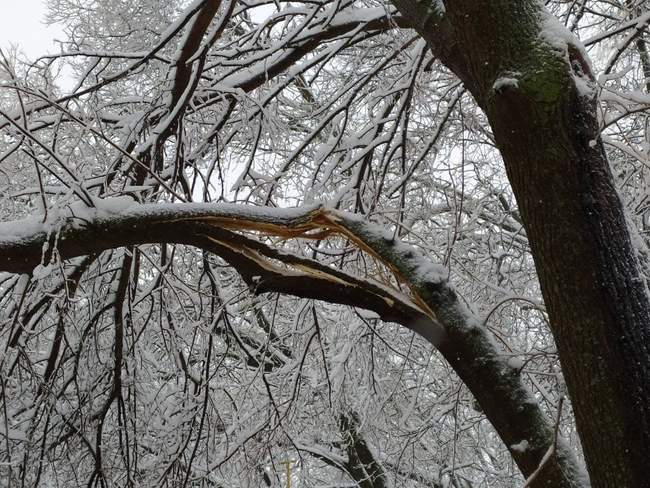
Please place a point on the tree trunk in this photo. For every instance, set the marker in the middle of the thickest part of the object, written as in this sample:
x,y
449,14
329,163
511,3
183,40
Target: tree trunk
x,y
534,83
362,465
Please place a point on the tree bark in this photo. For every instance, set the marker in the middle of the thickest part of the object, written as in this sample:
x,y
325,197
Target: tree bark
x,y
535,85
362,465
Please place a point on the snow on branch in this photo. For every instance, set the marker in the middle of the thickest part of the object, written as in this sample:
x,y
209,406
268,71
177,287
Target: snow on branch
x,y
432,308
116,222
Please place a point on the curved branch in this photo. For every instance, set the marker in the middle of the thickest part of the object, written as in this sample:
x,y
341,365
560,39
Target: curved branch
x,y
433,310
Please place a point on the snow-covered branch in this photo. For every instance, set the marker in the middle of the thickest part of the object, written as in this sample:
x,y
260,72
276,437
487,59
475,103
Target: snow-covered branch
x,y
433,308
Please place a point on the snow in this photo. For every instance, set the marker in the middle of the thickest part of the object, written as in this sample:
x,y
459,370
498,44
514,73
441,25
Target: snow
x,y
504,82
520,447
42,271
368,314
638,23
113,205
555,34
124,207
515,362
427,269
585,87
19,229
13,434
422,267
322,452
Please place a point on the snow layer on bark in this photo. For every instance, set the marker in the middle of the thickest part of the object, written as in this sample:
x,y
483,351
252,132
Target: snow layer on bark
x,y
124,207
520,446
423,269
555,34
505,82
558,37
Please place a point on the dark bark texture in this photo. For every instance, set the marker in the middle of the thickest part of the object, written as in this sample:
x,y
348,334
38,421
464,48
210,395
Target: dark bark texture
x,y
546,128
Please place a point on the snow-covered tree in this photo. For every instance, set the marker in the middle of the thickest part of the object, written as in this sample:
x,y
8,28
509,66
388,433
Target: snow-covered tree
x,y
383,240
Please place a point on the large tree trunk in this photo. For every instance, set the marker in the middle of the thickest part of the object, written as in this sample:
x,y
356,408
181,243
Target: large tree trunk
x,y
535,85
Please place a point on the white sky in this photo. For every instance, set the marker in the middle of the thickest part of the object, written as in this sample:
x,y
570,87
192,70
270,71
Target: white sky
x,y
22,24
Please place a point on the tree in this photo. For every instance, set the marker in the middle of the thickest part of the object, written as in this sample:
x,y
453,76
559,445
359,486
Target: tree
x,y
304,144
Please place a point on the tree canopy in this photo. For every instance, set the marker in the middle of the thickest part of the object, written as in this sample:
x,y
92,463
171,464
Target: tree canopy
x,y
398,243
